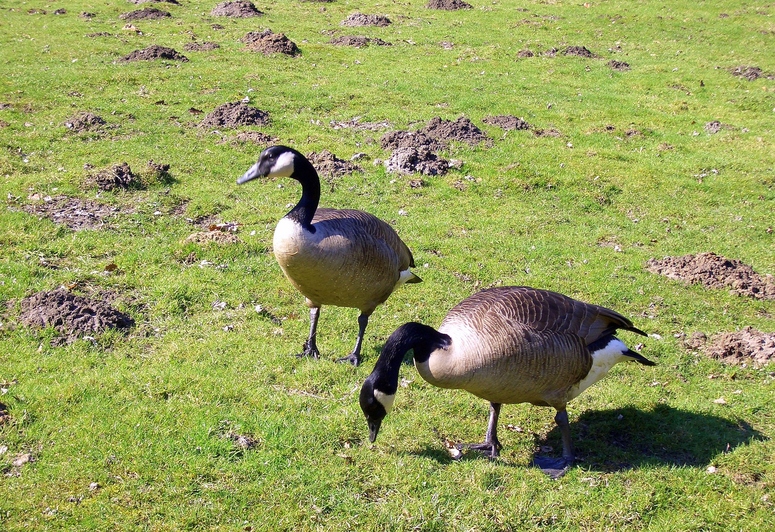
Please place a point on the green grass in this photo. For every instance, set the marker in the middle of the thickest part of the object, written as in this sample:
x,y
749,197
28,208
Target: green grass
x,y
146,416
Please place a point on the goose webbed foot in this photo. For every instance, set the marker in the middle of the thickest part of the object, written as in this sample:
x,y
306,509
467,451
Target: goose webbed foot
x,y
310,350
554,467
352,358
490,449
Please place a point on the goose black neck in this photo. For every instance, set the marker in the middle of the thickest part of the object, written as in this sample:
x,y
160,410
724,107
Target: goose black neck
x,y
306,175
421,338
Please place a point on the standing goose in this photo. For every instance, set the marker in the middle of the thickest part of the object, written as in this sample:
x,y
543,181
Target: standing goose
x,y
339,257
507,345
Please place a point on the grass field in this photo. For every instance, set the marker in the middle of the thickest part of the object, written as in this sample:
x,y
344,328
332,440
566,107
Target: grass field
x,y
199,418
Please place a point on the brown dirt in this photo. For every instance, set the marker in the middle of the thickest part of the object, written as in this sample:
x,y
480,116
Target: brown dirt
x,y
256,137
5,415
71,315
147,13
359,19
418,159
154,2
619,66
448,5
157,171
155,52
751,73
394,140
357,125
522,54
748,346
507,122
579,51
268,43
549,132
460,130
329,165
215,236
713,127
714,271
84,121
357,41
118,176
201,46
235,114
239,9
75,213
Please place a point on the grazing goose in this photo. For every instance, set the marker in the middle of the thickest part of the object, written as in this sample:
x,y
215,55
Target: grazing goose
x,y
339,257
507,345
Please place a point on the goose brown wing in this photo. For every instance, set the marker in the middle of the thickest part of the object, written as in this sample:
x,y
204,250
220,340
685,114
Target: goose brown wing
x,y
543,310
350,220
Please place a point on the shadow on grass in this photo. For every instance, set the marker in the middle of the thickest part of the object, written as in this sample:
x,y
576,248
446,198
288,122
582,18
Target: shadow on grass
x,y
627,438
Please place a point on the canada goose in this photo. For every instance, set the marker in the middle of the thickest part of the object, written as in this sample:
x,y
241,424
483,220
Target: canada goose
x,y
509,344
339,257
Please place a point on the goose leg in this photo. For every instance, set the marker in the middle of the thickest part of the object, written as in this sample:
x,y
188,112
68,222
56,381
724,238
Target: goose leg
x,y
557,467
354,357
490,446
310,346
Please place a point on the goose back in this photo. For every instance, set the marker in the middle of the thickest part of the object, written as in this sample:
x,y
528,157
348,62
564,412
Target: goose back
x,y
519,344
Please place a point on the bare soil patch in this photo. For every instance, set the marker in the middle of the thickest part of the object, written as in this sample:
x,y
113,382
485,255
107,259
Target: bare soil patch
x,y
84,121
460,130
75,213
269,42
751,73
748,346
356,124
215,236
239,9
118,176
175,2
715,271
394,140
5,415
619,66
420,159
147,13
155,52
235,114
256,137
359,19
522,54
329,165
548,132
713,127
201,46
357,41
448,5
578,51
71,315
507,122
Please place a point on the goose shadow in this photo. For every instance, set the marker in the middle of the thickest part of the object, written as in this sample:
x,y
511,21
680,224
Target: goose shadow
x,y
621,439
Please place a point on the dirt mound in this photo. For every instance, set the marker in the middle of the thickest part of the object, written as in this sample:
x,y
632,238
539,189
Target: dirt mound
x,y
234,115
448,5
84,121
359,19
155,52
714,271
461,130
149,13
119,176
75,213
239,8
413,160
507,122
746,346
619,66
73,316
713,127
394,140
268,42
256,137
751,73
579,51
329,165
201,46
357,41
522,54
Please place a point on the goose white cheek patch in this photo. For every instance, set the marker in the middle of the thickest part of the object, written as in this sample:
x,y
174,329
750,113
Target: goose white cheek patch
x,y
284,165
385,400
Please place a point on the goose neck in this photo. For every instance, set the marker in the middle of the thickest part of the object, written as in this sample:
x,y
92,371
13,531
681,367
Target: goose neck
x,y
305,209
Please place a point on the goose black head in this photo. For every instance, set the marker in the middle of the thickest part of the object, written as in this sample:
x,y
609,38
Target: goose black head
x,y
275,161
375,405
